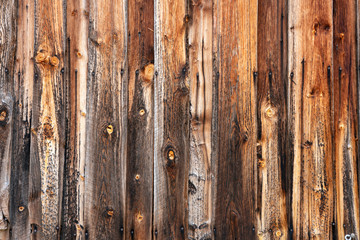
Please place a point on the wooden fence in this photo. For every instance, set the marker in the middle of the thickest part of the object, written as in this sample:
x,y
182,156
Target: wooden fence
x,y
179,119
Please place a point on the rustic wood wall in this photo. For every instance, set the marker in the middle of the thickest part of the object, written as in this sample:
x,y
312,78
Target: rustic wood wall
x,y
179,119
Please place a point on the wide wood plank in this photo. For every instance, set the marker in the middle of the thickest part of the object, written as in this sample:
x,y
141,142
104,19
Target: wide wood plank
x,y
235,38
48,121
106,121
171,114
76,70
345,120
200,191
23,97
310,82
271,122
140,151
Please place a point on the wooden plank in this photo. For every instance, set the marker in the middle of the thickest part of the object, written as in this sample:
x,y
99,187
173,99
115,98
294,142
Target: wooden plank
x,y
346,120
47,140
310,83
6,115
76,70
236,166
171,114
23,97
140,153
106,122
271,122
201,79
7,65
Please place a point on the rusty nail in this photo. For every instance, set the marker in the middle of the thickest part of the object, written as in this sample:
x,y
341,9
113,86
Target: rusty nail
x,y
121,229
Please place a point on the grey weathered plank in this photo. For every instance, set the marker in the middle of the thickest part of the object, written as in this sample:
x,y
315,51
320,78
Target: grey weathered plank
x,y
106,121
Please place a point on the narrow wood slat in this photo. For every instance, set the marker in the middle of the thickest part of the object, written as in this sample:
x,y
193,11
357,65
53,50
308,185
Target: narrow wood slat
x,y
76,69
271,124
140,153
199,21
171,114
106,121
47,140
23,97
346,120
310,84
236,166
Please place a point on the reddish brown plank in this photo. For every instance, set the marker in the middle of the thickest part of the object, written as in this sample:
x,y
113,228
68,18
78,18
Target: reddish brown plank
x,y
235,43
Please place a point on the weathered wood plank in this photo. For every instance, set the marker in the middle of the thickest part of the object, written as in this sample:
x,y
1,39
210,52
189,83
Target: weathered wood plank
x,y
23,97
76,71
310,56
7,65
171,137
201,79
140,153
345,120
236,165
47,123
271,122
6,115
106,123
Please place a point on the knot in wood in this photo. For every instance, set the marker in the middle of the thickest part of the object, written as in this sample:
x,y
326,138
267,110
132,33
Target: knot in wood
x,y
41,57
148,72
270,112
54,61
171,155
21,208
110,129
142,112
139,217
278,233
3,116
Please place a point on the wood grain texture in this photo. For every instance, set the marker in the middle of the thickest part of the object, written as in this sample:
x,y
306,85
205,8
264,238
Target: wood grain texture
x,y
48,120
345,120
140,153
201,79
171,136
23,98
236,165
76,70
271,122
310,56
8,23
106,121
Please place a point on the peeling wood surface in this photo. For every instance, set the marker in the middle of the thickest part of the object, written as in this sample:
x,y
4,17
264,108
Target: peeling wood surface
x,y
206,119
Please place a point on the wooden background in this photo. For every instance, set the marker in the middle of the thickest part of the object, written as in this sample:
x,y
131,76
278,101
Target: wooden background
x,y
179,119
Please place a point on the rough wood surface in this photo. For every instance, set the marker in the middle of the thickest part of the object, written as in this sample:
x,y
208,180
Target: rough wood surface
x,y
310,85
47,140
23,98
158,119
106,114
236,165
271,122
171,127
140,153
201,79
345,120
75,69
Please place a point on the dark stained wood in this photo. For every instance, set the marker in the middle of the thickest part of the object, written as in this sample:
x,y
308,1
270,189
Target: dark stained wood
x,y
201,79
236,41
106,121
75,69
140,153
23,98
310,85
171,114
271,122
47,122
345,120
